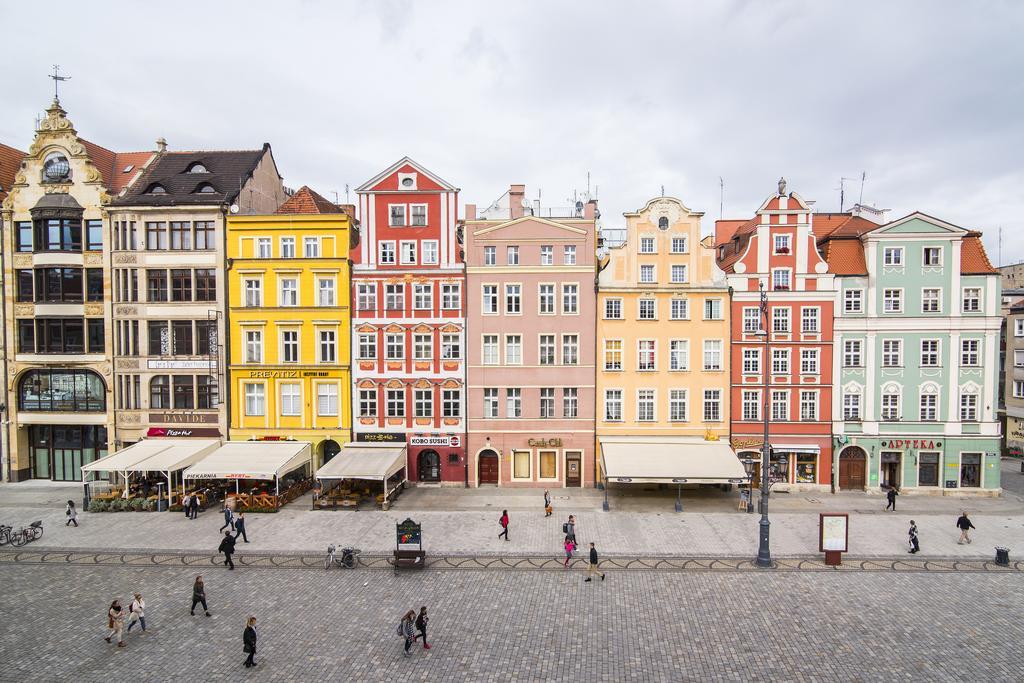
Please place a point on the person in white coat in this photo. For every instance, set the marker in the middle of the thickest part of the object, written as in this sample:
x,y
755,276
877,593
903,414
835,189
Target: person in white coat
x,y
71,513
137,613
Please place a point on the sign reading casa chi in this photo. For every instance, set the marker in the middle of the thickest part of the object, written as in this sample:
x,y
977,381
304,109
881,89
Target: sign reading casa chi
x,y
544,443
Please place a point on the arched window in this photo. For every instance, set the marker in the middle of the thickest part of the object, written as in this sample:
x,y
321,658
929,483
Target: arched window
x,y
205,188
62,391
663,223
160,392
156,188
197,167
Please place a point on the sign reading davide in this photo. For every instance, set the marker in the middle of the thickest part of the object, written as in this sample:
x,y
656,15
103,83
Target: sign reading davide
x,y
183,418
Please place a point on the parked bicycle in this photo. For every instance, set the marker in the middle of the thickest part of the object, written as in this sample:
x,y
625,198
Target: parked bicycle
x,y
5,534
347,560
27,534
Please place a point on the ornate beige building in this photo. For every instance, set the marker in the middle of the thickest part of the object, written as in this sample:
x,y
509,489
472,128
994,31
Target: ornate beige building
x,y
56,285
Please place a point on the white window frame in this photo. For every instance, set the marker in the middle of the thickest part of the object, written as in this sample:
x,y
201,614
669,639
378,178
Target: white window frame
x,y
810,314
512,255
648,245
513,349
547,254
407,252
287,246
386,253
288,296
546,304
924,257
648,274
490,298
569,255
614,304
310,241
423,296
679,308
810,361
971,300
290,405
678,273
713,348
490,255
782,241
429,251
970,357
927,299
327,346
412,218
676,249
255,399
646,400
853,301
642,304
892,257
513,298
490,349
613,405
397,215
570,298
892,353
646,355
612,348
678,405
928,354
451,296
328,391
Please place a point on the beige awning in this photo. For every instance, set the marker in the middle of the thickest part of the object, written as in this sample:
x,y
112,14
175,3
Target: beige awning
x,y
251,460
364,461
180,454
669,459
127,457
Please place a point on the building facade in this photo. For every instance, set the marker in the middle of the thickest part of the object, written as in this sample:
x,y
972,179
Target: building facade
x,y
288,311
530,283
663,329
1013,386
167,264
917,356
777,250
57,332
408,321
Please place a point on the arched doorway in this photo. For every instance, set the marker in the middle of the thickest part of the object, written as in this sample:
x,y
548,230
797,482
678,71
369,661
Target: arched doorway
x,y
852,468
329,449
487,470
429,466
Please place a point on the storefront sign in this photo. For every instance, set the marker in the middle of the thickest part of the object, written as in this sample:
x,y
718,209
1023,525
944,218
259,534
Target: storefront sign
x,y
183,431
901,444
179,364
381,437
287,374
544,443
449,440
184,418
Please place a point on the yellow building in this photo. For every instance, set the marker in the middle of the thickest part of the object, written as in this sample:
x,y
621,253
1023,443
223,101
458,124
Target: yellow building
x,y
289,324
662,341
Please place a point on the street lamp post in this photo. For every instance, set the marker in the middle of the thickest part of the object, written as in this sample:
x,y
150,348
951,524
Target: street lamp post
x,y
748,465
764,554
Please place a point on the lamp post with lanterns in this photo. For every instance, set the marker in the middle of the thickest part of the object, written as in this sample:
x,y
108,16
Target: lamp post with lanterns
x,y
764,554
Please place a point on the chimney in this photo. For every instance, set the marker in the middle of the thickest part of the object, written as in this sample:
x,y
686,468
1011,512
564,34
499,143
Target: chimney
x,y
590,210
470,212
161,145
516,193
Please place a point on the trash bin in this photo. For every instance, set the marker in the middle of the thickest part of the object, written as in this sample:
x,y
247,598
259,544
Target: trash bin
x,y
1002,556
161,501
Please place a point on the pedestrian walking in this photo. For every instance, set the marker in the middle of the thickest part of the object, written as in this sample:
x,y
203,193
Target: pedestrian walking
x,y
240,527
194,507
569,529
249,641
406,630
914,546
227,546
186,505
421,626
570,546
592,567
229,517
504,524
199,596
137,613
115,623
965,527
891,497
547,504
71,513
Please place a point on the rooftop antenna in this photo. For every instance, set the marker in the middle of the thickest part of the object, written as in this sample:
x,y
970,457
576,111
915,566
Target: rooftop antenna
x,y
57,79
721,197
346,193
335,193
588,184
999,254
863,177
662,190
842,192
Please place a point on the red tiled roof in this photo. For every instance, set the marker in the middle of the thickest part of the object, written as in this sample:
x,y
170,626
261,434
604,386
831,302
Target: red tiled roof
x,y
973,259
845,257
725,229
112,165
306,200
10,161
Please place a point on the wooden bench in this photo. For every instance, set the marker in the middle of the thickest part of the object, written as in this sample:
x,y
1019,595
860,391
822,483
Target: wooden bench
x,y
410,559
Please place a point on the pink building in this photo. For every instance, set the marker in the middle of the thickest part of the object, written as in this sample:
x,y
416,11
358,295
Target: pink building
x,y
530,343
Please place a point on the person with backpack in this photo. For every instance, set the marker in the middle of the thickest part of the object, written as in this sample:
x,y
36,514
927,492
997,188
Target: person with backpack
x,y
421,626
137,613
227,546
912,534
965,527
115,622
249,641
199,596
504,524
71,513
569,529
406,630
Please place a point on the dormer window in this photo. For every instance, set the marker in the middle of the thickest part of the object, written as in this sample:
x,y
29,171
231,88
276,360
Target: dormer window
x,y
197,167
205,188
663,223
156,188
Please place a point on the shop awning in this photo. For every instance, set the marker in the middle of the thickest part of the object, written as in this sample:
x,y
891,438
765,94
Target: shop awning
x,y
127,457
364,461
251,460
179,455
676,460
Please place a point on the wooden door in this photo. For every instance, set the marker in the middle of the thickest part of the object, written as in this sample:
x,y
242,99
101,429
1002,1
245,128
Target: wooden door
x,y
489,468
573,475
851,469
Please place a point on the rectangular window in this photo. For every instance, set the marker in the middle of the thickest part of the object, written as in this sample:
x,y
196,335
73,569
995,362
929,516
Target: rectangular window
x,y
852,356
613,308
929,353
892,353
513,299
156,285
780,361
490,300
451,296
1018,385
646,355
547,255
23,232
679,354
751,320
156,236
751,405
809,318
613,405
255,400
490,402
780,279
570,299
892,300
422,347
892,256
780,320
287,247
809,361
678,273
851,406
970,353
26,336
645,405
853,301
547,402
95,335
570,349
394,297
570,403
291,399
428,250
394,346
931,301
327,400
678,245
386,253
712,355
781,244
290,346
311,247
328,346
367,403
325,291
808,406
680,309
546,299
647,274
521,464
972,299
932,256
181,336
513,349
253,346
423,296
647,245
94,235
366,296
490,256
751,361
367,347
423,402
513,403
569,255
407,255
780,406
928,470
419,215
181,284
968,407
159,334
712,405
263,250
512,255
206,284
890,407
677,405
24,280
1018,359
396,215
490,349
451,348
289,291
612,354
394,402
253,292
451,403
929,407
647,310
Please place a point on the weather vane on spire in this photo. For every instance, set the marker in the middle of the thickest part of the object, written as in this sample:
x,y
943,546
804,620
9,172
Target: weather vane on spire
x,y
57,78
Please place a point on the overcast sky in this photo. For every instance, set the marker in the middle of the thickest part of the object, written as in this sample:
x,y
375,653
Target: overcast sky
x,y
926,98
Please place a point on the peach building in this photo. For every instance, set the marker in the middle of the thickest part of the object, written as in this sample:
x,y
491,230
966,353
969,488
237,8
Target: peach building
x,y
530,324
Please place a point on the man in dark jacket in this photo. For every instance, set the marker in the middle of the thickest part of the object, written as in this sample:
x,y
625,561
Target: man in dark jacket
x,y
592,567
227,546
249,641
891,497
964,525
240,527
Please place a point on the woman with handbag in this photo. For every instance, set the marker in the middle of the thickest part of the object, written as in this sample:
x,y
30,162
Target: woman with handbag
x,y
249,641
71,513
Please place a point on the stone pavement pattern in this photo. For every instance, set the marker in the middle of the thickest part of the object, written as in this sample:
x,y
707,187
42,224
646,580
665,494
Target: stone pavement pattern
x,y
499,626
